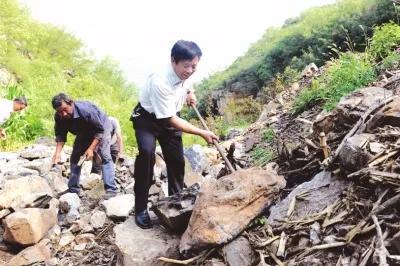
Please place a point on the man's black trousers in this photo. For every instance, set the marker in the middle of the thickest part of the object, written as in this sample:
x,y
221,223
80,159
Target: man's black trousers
x,y
148,129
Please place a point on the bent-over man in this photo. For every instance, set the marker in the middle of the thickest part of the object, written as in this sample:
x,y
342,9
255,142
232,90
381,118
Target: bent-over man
x,y
93,134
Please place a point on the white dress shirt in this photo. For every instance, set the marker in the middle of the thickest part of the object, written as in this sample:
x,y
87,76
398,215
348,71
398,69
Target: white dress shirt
x,y
164,94
6,109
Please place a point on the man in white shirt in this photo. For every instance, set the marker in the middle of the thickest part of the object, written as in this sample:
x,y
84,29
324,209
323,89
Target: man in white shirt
x,y
7,107
156,117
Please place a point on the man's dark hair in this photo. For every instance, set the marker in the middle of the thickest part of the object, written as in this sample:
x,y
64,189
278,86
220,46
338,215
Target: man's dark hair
x,y
59,99
185,50
21,100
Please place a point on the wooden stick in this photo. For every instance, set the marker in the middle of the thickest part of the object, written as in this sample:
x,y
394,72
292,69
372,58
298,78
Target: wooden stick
x,y
368,253
282,245
300,169
278,261
381,250
227,162
358,125
269,241
184,262
323,144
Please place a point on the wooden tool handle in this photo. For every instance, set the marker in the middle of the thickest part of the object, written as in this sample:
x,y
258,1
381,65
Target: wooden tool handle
x,y
227,162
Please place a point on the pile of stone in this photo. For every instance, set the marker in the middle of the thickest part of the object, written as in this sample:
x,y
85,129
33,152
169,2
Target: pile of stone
x,y
347,214
42,223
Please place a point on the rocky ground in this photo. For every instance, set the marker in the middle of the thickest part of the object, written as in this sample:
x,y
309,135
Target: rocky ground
x,y
323,199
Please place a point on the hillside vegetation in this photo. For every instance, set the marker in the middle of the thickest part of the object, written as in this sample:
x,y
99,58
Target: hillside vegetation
x,y
318,35
45,60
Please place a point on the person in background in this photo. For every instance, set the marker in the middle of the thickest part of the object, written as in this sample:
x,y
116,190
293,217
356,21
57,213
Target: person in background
x,y
156,117
93,134
116,148
7,107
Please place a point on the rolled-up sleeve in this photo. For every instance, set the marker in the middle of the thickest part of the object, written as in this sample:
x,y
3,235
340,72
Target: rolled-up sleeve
x,y
162,100
60,130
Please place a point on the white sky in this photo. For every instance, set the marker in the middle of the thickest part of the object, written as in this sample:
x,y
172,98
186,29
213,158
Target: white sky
x,y
140,34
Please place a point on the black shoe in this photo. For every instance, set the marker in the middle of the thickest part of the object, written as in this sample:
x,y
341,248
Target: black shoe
x,y
142,219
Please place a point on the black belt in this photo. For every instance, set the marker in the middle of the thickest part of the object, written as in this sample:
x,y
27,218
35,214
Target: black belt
x,y
139,110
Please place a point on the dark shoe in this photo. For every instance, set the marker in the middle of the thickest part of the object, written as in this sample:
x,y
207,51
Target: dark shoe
x,y
110,194
142,219
68,191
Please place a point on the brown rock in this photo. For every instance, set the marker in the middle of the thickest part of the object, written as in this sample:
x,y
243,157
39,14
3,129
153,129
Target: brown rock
x,y
225,207
31,255
28,226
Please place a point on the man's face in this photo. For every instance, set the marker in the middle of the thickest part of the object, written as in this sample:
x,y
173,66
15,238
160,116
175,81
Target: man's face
x,y
185,68
65,111
19,106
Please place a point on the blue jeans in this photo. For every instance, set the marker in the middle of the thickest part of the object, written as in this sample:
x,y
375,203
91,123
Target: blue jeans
x,y
81,144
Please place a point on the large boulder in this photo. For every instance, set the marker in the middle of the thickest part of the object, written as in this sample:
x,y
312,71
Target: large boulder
x,y
324,190
37,151
350,109
17,190
225,207
138,247
28,226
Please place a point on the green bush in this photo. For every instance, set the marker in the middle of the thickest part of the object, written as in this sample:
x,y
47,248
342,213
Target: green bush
x,y
386,38
392,61
46,60
347,73
303,40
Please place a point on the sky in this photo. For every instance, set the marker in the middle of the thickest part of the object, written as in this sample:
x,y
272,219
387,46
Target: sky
x,y
138,35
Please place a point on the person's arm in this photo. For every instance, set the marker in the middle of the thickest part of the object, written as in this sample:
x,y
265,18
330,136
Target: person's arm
x,y
191,98
61,132
90,151
186,127
57,153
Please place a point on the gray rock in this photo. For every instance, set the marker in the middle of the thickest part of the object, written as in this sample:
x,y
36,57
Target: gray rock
x,y
69,201
175,211
18,190
119,206
353,157
69,204
89,182
8,156
138,247
239,253
324,190
43,166
98,219
197,158
37,151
